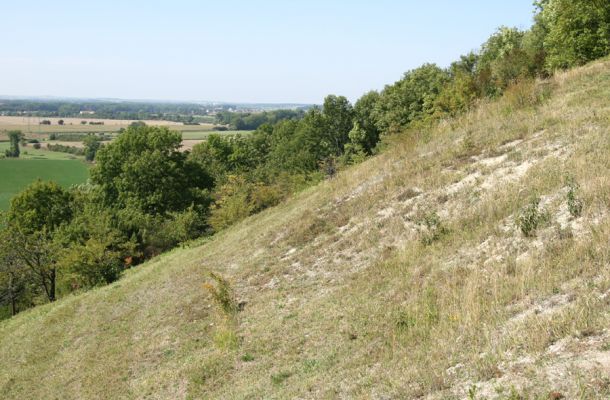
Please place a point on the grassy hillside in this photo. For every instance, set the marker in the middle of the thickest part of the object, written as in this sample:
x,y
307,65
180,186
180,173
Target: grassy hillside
x,y
407,276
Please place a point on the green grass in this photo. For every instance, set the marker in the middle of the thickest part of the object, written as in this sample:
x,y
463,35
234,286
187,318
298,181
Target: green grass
x,y
17,174
30,153
359,306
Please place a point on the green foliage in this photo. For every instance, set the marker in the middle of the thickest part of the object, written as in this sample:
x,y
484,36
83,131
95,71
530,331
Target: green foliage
x,y
578,31
41,206
531,217
93,248
364,135
460,93
575,204
14,276
222,294
92,145
237,199
14,137
62,148
434,229
503,61
144,169
251,121
410,99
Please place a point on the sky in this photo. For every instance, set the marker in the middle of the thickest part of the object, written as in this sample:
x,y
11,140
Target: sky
x,y
263,51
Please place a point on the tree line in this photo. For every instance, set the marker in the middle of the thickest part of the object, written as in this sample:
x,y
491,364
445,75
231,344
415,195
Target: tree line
x,y
146,196
240,121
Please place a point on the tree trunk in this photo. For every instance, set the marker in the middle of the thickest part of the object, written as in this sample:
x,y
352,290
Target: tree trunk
x,y
52,285
11,294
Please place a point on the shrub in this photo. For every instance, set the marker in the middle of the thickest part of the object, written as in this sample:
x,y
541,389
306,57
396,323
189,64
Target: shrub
x,y
531,218
434,229
222,293
65,149
575,204
525,93
36,146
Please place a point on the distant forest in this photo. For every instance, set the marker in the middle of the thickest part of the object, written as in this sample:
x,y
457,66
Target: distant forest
x,y
238,116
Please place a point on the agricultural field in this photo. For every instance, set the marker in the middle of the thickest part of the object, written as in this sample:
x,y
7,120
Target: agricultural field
x,y
19,173
31,125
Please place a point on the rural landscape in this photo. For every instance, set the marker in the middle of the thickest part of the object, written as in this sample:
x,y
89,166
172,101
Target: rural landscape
x,y
445,236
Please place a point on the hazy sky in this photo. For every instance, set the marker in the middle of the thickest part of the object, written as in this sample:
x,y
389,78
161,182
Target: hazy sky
x,y
243,51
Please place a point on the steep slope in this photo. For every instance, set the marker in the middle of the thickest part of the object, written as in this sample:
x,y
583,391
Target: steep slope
x,y
407,276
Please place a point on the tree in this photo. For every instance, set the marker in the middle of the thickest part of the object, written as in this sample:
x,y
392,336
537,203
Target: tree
x,y
40,206
93,249
14,138
13,274
92,145
144,169
461,91
578,31
503,61
338,115
34,215
365,133
411,98
60,122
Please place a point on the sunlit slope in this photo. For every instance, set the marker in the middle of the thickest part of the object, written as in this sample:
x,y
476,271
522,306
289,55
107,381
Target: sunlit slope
x,y
407,276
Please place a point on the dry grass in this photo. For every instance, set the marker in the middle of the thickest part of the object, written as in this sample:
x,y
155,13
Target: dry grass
x,y
32,128
341,297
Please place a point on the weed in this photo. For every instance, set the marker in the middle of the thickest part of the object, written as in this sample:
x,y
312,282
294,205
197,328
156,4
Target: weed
x,y
280,377
472,392
226,338
575,204
222,293
405,321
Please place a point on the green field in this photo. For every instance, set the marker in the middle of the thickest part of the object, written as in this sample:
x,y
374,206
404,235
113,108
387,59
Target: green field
x,y
18,173
30,153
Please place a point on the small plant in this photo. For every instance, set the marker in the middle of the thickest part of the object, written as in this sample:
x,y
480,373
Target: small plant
x,y
472,392
531,218
434,229
575,204
279,378
222,293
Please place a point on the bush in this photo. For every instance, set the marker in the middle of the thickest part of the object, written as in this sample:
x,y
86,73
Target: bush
x,y
222,293
575,204
66,149
525,93
36,146
531,218
434,229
